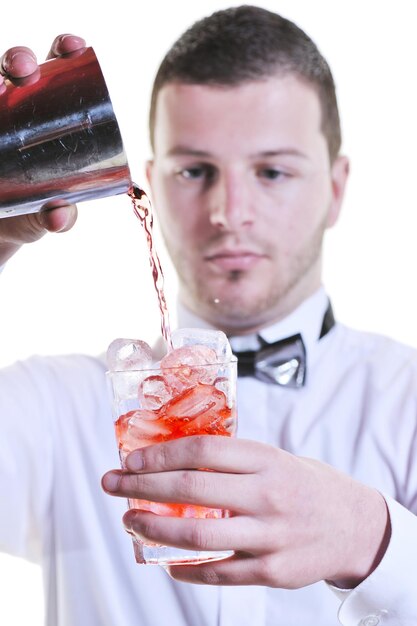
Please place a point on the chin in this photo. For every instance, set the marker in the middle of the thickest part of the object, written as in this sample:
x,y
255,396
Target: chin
x,y
238,313
239,301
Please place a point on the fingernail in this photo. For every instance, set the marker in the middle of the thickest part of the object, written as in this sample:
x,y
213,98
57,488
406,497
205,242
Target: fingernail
x,y
111,481
127,522
26,61
74,38
67,43
134,462
43,219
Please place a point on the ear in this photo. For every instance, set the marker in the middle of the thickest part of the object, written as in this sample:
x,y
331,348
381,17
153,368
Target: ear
x,y
339,175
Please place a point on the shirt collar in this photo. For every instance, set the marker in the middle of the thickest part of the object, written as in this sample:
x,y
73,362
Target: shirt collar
x,y
306,319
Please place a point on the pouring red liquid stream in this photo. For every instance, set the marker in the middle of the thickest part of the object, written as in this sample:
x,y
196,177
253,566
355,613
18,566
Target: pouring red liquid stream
x,y
199,409
143,211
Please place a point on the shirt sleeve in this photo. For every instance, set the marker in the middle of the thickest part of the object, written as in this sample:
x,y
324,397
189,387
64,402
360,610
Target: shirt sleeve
x,y
50,408
26,458
388,597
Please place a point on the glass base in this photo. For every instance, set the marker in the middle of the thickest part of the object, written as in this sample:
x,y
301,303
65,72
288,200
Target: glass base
x,y
167,555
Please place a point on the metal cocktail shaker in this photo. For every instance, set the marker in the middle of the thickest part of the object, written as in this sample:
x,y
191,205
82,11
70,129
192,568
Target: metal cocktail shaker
x,y
59,138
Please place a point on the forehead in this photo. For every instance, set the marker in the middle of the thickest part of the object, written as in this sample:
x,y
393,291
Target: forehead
x,y
278,105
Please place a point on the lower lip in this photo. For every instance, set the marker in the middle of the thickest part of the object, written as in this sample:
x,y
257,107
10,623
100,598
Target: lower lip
x,y
242,262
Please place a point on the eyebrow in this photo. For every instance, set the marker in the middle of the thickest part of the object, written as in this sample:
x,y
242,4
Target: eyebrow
x,y
281,152
184,150
187,151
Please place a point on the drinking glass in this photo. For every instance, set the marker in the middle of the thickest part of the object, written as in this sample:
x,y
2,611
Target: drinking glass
x,y
155,405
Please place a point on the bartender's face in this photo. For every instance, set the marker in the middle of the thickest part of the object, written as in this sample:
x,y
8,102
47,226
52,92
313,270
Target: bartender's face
x,y
244,190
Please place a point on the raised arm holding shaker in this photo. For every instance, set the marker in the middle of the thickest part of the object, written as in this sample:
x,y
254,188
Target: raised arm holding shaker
x,y
246,177
20,64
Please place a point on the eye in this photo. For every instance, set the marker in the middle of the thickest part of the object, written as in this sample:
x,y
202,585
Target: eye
x,y
197,172
191,173
270,173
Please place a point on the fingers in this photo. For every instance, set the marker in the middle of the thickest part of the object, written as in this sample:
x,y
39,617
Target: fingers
x,y
232,533
239,569
168,473
59,219
65,44
19,62
222,454
211,489
28,228
250,565
15,231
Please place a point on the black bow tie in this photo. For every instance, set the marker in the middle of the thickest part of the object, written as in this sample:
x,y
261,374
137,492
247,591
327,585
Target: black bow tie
x,y
282,362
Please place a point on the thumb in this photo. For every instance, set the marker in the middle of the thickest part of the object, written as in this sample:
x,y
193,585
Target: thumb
x,y
58,219
22,229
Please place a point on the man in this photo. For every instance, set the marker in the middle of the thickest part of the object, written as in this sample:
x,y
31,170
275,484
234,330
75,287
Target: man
x,y
246,178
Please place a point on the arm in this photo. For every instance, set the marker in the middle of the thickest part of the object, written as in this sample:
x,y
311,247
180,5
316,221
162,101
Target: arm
x,y
20,64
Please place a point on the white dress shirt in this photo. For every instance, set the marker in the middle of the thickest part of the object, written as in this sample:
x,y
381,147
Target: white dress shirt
x,y
357,412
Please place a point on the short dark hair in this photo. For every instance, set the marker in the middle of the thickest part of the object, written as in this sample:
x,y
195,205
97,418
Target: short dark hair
x,y
248,43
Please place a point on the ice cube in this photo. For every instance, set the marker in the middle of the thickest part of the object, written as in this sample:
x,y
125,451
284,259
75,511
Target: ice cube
x,y
222,383
214,339
200,410
185,367
154,392
189,355
129,354
140,428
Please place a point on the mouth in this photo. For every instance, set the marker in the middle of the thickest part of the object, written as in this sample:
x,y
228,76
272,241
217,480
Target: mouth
x,y
234,260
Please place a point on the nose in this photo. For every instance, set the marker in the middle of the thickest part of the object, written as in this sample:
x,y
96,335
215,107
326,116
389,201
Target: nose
x,y
230,202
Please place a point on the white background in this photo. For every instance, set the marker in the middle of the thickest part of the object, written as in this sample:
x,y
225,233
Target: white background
x,y
78,291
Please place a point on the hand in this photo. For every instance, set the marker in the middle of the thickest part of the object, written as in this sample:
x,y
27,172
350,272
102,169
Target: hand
x,y
294,520
19,64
